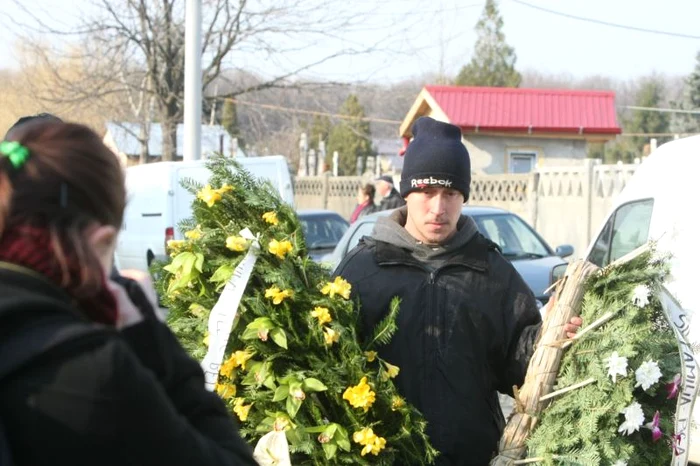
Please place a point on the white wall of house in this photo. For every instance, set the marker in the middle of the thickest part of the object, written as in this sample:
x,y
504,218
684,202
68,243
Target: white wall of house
x,y
497,154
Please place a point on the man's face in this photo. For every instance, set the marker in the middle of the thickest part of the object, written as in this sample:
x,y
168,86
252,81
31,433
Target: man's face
x,y
383,187
433,214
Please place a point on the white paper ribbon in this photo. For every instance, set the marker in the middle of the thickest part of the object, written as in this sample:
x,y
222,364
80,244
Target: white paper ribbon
x,y
679,320
272,450
224,312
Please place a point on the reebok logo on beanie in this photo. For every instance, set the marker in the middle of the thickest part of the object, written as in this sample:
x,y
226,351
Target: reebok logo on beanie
x,y
424,183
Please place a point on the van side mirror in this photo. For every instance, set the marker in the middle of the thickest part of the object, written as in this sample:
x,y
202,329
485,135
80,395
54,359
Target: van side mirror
x,y
565,250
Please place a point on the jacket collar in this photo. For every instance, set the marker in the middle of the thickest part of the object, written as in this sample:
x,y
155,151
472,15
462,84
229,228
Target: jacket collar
x,y
15,279
474,255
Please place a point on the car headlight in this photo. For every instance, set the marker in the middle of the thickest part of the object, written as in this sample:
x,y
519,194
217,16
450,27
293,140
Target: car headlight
x,y
557,273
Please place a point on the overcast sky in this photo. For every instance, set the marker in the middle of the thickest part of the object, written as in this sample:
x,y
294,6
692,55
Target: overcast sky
x,y
424,36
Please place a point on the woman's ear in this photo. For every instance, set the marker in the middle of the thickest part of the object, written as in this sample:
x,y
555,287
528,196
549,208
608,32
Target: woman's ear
x,y
103,240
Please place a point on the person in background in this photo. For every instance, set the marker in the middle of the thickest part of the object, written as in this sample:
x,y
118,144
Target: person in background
x,y
89,374
391,199
365,202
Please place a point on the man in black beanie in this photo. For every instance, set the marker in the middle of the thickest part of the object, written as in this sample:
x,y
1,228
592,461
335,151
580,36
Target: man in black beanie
x,y
468,321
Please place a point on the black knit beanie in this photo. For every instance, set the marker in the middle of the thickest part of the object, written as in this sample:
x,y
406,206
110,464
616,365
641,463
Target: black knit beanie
x,y
436,157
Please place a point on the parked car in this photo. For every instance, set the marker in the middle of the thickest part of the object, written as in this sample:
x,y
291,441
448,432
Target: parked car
x,y
322,231
656,205
532,257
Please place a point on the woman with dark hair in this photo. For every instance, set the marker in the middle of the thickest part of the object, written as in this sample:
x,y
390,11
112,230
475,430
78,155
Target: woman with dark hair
x,y
365,202
89,375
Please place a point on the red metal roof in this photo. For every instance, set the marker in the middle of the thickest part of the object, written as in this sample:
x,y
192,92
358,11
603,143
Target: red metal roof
x,y
533,110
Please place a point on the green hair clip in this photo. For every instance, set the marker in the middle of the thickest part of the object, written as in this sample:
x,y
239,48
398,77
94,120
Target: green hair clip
x,y
16,152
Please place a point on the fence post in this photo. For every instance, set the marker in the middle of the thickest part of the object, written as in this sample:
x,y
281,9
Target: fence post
x,y
588,180
325,189
532,197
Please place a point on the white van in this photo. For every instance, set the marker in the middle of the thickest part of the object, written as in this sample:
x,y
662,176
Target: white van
x,y
157,203
657,204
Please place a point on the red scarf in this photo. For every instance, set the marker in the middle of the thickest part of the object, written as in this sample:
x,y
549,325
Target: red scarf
x,y
358,209
31,247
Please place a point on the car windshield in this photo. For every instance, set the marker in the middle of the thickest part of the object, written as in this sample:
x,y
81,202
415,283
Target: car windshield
x,y
323,231
514,236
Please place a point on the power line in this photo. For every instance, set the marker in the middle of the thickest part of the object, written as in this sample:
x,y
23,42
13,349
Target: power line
x,y
313,112
607,23
661,110
396,122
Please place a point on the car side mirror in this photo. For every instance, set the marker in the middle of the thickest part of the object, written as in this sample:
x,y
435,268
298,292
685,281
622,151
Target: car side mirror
x,y
565,250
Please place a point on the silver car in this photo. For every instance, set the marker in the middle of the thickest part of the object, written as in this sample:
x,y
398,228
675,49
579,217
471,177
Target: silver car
x,y
532,257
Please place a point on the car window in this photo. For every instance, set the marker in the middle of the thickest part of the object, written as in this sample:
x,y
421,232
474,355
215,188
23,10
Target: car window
x,y
626,230
363,229
514,236
323,231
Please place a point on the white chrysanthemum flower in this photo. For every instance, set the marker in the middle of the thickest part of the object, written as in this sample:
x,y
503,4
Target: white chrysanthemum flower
x,y
617,365
634,418
647,374
640,295
620,463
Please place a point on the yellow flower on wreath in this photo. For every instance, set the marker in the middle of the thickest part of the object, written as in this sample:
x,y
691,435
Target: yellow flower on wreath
x,y
237,359
360,396
175,244
322,314
236,243
240,409
195,233
279,248
270,217
391,371
330,336
226,390
339,286
277,295
372,442
397,403
211,196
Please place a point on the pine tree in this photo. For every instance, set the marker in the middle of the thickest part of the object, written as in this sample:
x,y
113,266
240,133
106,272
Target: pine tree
x,y
493,63
229,120
294,361
650,94
351,138
690,123
318,130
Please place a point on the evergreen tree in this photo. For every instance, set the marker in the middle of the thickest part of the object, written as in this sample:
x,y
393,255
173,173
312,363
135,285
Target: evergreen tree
x,y
229,120
317,130
294,362
493,63
689,123
351,138
650,94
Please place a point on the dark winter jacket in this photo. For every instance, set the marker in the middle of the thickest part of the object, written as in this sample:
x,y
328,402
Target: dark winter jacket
x,y
392,201
466,329
101,396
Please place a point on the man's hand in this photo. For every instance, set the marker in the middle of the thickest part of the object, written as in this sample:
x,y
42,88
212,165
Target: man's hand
x,y
573,326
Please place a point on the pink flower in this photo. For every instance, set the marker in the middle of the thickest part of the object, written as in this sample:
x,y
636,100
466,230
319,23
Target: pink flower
x,y
673,387
675,442
656,433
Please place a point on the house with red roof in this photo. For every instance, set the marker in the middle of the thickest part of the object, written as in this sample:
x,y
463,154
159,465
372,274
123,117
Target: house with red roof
x,y
511,130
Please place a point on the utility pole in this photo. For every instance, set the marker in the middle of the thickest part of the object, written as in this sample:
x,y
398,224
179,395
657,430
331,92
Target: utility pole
x,y
192,149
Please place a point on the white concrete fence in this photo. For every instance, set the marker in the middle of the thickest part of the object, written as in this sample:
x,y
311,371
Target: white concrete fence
x,y
565,205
